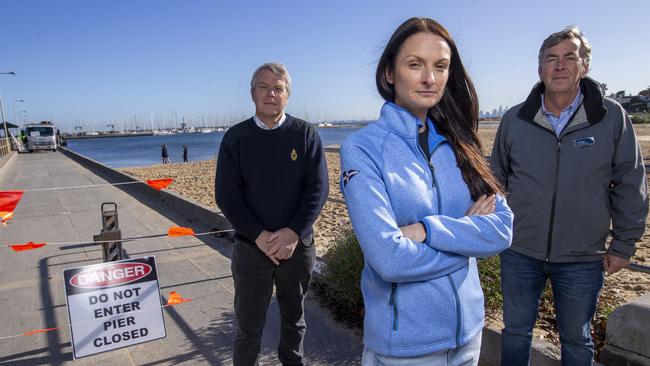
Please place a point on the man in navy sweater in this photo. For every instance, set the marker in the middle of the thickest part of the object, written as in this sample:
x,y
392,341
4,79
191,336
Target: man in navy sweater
x,y
271,184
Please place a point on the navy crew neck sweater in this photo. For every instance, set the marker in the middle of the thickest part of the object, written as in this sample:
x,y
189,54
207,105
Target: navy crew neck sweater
x,y
271,179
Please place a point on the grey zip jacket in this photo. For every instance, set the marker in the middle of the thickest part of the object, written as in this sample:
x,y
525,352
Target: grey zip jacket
x,y
566,191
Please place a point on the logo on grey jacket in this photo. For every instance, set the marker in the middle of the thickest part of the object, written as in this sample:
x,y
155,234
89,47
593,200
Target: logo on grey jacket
x,y
584,142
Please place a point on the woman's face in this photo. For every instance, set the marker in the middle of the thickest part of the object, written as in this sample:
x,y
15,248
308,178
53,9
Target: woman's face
x,y
420,73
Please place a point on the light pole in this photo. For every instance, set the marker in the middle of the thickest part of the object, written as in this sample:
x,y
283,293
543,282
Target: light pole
x,y
2,111
20,101
25,119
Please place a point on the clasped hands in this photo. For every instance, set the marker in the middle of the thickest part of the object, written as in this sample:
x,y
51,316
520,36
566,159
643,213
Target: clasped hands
x,y
277,245
484,205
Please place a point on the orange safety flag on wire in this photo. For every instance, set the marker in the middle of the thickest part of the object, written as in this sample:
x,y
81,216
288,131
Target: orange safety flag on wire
x,y
32,332
4,216
175,298
26,246
8,202
180,231
160,183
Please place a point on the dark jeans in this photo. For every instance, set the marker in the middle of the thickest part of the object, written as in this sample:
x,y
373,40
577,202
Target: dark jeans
x,y
254,275
575,293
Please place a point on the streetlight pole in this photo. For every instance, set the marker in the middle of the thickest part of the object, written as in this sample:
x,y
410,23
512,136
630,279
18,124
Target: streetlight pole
x,y
4,121
25,119
16,100
2,111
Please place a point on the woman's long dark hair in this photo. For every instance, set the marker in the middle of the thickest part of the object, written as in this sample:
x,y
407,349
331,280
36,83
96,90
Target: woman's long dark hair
x,y
456,114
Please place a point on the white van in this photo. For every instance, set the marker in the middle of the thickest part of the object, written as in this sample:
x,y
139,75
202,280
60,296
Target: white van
x,y
41,136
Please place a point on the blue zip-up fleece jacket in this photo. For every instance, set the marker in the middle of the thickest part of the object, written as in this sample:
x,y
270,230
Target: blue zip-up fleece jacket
x,y
419,298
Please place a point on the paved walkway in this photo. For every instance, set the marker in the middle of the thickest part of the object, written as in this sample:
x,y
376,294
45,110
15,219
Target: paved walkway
x,y
198,332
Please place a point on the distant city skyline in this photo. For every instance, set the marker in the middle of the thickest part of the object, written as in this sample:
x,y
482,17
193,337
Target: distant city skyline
x,y
495,113
96,63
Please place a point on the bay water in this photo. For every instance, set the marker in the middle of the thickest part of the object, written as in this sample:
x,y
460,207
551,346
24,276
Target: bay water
x,y
121,152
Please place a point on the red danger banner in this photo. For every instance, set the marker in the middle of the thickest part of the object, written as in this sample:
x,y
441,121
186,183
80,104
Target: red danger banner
x,y
118,274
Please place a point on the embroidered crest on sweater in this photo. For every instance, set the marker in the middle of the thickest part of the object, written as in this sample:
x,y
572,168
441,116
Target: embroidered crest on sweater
x,y
294,155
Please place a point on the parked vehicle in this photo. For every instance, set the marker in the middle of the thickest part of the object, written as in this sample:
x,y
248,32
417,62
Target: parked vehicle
x,y
41,136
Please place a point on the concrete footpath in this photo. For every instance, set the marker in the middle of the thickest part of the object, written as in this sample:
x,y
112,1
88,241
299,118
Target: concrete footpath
x,y
198,332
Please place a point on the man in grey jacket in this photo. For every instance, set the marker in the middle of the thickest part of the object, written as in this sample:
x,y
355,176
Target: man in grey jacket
x,y
571,165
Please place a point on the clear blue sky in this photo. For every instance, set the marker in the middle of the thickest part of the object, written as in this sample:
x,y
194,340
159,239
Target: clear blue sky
x,y
94,62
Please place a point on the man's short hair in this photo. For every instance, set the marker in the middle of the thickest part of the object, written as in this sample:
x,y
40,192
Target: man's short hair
x,y
277,69
570,32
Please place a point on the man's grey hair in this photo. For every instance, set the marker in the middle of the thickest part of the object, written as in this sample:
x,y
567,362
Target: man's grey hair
x,y
277,69
570,32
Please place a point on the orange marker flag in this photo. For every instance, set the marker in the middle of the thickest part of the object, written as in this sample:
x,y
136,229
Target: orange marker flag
x,y
160,183
4,216
26,246
32,332
180,231
8,202
175,298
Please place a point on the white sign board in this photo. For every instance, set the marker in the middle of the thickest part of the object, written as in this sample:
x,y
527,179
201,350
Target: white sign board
x,y
113,305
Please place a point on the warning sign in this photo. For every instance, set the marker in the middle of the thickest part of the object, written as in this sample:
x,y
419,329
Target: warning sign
x,y
113,305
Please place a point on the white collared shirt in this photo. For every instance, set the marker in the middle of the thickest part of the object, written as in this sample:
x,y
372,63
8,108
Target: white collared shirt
x,y
261,124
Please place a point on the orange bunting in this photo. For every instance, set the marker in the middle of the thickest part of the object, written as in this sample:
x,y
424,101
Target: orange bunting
x,y
180,231
32,332
4,216
175,298
8,202
26,246
160,183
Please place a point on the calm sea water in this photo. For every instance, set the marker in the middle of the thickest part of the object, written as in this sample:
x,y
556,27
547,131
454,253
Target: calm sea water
x,y
120,152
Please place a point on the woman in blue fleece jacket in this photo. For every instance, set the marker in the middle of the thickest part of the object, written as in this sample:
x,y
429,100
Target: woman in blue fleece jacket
x,y
423,204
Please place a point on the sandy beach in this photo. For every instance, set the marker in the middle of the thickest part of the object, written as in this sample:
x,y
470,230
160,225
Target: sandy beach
x,y
196,181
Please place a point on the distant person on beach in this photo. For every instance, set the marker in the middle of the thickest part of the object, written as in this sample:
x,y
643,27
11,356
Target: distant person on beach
x,y
271,184
165,155
571,164
185,154
423,204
